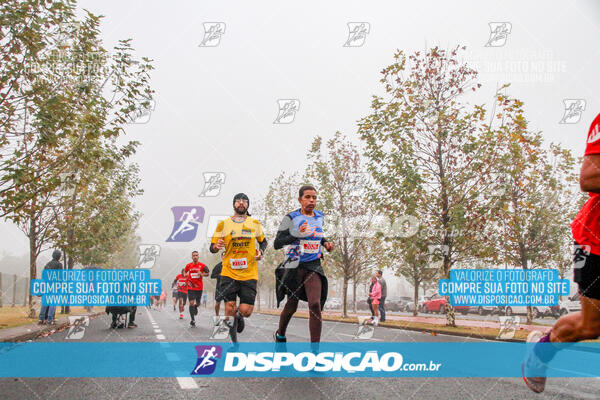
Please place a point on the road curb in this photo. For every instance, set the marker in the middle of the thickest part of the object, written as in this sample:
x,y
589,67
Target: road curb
x,y
410,328
35,330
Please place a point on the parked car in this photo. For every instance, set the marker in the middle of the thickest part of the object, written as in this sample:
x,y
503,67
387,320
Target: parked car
x,y
569,305
483,310
437,303
396,303
333,303
536,311
410,306
362,305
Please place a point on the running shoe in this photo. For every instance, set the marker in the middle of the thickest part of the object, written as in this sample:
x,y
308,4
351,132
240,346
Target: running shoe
x,y
533,369
113,325
239,319
278,338
192,323
180,316
132,325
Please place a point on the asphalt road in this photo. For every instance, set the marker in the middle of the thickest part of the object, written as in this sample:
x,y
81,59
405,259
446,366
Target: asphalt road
x,y
164,325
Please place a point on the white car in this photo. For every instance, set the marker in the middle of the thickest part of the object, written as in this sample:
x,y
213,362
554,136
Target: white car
x,y
333,303
571,304
536,311
410,306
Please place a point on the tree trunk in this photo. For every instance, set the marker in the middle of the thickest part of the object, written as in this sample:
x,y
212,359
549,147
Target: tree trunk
x,y
345,297
416,297
32,254
450,317
14,296
70,262
354,284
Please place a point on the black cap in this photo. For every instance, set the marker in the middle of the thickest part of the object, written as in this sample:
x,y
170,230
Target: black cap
x,y
243,197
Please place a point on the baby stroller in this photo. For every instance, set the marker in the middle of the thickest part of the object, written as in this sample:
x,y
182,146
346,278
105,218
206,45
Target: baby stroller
x,y
119,316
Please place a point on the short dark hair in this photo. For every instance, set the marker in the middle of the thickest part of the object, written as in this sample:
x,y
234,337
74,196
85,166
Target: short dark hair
x,y
379,272
304,188
195,251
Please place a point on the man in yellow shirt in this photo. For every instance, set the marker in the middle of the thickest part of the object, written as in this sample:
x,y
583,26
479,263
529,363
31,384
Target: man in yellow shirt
x,y
238,236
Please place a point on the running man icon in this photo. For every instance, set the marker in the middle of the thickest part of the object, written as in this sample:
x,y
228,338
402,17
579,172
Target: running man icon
x,y
207,359
185,226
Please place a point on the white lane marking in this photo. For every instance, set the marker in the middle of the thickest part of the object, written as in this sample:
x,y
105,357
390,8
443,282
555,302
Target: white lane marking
x,y
160,337
187,382
157,331
345,334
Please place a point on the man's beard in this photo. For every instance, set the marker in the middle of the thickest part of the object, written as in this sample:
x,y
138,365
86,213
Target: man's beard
x,y
243,212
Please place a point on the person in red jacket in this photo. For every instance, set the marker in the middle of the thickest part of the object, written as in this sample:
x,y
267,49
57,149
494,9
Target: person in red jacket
x,y
586,234
181,282
194,272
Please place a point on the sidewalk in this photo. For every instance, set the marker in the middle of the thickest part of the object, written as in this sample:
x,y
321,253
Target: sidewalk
x,y
460,322
430,324
31,331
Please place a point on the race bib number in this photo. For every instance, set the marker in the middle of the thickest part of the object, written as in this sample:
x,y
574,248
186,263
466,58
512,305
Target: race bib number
x,y
181,284
194,275
239,263
309,246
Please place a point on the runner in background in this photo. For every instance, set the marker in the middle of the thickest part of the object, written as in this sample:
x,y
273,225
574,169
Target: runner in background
x,y
216,274
194,272
174,293
181,282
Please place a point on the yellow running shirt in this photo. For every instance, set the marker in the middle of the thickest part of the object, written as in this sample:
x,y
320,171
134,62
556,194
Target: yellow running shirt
x,y
239,261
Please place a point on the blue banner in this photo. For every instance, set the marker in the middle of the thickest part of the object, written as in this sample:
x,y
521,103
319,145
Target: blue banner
x,y
504,287
356,359
96,287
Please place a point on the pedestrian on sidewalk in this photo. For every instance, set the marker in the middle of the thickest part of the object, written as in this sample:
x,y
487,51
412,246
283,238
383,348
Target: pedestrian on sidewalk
x,y
375,295
47,312
369,300
381,281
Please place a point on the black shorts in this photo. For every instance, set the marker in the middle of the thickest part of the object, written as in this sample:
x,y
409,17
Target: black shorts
x,y
195,295
182,296
174,294
229,289
587,274
218,295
